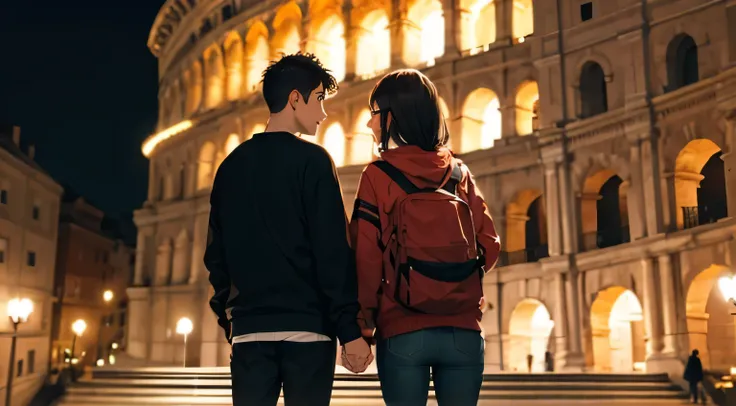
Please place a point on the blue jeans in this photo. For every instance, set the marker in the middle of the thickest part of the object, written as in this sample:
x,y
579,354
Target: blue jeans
x,y
455,357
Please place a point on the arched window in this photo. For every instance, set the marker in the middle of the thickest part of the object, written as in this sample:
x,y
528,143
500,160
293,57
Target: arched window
x,y
682,62
334,142
256,55
593,96
372,59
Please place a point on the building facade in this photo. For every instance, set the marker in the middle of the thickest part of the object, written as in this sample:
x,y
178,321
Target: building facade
x,y
600,133
29,212
90,262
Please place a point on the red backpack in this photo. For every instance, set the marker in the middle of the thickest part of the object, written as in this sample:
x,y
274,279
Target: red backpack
x,y
430,247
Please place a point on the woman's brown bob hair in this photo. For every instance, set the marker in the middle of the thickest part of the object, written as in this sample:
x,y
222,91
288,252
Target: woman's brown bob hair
x,y
412,100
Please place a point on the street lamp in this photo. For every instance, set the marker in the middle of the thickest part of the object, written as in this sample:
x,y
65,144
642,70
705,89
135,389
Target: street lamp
x,y
18,311
107,296
727,285
184,327
78,328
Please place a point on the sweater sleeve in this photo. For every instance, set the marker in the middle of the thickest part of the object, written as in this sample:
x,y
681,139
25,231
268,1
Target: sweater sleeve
x,y
214,260
485,230
365,231
327,225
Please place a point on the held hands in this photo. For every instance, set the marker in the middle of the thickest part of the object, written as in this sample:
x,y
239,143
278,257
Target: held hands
x,y
357,355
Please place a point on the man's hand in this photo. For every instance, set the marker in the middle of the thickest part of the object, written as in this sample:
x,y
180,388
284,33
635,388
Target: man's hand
x,y
357,355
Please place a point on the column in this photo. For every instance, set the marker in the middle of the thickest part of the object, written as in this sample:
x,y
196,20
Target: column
x,y
504,22
397,26
570,237
552,203
669,194
199,244
508,120
573,290
567,347
650,307
351,42
650,183
140,257
729,163
668,304
635,196
151,184
453,26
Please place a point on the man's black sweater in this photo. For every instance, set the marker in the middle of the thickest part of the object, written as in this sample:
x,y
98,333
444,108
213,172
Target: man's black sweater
x,y
277,246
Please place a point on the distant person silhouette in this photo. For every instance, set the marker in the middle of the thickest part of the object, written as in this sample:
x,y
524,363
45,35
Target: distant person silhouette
x,y
694,374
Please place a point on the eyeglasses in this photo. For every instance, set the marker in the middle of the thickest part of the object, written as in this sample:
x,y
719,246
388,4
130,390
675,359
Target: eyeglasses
x,y
379,111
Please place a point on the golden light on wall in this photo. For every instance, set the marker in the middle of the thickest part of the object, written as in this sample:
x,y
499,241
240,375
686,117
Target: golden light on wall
x,y
522,20
329,46
233,140
478,26
150,144
428,15
374,30
334,143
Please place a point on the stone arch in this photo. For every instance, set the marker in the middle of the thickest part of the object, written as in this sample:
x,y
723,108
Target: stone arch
x,y
444,109
328,42
333,140
234,65
592,88
193,82
181,254
617,328
215,76
604,209
710,324
526,227
425,41
362,144
530,327
206,165
232,142
373,29
478,26
287,29
699,200
257,54
682,62
527,108
481,120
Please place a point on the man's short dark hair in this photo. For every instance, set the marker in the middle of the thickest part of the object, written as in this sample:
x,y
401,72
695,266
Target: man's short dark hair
x,y
300,72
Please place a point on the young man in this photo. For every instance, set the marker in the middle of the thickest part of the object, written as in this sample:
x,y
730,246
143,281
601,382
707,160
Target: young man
x,y
277,250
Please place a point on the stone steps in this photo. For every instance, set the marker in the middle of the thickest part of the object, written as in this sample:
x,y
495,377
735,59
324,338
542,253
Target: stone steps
x,y
211,386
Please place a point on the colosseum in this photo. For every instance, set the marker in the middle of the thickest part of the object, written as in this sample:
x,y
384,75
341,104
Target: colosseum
x,y
601,133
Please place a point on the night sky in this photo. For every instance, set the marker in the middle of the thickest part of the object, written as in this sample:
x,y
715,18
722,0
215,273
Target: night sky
x,y
79,80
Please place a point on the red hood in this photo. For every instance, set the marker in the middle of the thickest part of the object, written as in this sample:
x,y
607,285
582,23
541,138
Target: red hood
x,y
423,168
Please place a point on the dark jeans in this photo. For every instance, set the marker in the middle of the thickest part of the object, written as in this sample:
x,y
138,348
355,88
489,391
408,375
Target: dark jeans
x,y
455,357
694,391
306,371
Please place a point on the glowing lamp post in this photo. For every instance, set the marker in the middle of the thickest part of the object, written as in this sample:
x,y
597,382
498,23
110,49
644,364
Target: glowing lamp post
x,y
107,296
184,327
18,311
78,328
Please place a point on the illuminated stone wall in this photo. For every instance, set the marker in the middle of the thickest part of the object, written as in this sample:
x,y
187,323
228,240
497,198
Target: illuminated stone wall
x,y
606,179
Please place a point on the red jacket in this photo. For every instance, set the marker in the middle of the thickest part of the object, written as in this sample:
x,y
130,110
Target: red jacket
x,y
376,192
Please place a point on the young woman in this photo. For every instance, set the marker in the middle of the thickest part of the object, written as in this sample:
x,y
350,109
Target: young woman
x,y
423,237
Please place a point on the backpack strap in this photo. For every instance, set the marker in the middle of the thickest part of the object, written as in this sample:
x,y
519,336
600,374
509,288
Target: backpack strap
x,y
398,177
455,178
